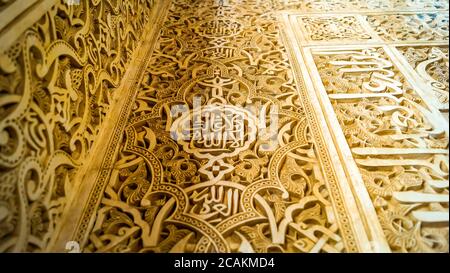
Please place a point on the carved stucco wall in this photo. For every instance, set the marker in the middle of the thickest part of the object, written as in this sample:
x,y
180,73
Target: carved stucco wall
x,y
359,90
57,84
382,79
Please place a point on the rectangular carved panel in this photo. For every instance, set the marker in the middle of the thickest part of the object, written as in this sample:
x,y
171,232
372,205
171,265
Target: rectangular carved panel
x,y
410,27
221,69
398,144
333,28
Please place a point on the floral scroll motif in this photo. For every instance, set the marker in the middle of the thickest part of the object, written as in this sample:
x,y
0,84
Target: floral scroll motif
x,y
324,28
431,65
399,145
410,27
364,5
225,147
163,196
57,83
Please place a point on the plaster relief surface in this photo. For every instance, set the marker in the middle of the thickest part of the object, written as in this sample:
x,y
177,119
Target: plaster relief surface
x,y
244,172
251,126
57,82
401,152
390,99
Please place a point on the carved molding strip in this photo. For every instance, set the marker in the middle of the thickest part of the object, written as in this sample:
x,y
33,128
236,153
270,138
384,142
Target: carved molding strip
x,y
11,9
18,16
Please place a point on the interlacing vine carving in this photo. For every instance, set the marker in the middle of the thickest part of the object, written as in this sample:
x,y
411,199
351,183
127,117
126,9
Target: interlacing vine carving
x,y
57,83
320,28
359,5
242,126
413,27
398,143
247,194
431,65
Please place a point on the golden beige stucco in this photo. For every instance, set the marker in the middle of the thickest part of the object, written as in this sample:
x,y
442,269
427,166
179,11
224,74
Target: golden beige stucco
x,y
224,126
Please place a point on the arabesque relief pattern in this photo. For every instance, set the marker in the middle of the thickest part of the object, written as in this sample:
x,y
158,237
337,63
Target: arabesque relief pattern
x,y
391,102
430,64
57,83
358,5
249,194
400,149
247,129
331,28
410,26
